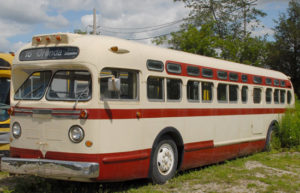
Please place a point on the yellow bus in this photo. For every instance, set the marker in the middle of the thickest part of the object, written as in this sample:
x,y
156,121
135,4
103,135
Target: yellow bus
x,y
5,72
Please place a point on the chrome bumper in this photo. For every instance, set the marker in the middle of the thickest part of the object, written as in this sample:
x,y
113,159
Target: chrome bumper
x,y
68,170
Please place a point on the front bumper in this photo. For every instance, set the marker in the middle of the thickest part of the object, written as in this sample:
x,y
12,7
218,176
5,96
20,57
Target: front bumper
x,y
68,170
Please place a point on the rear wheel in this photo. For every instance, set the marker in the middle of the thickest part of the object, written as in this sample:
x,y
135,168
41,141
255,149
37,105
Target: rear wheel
x,y
270,138
164,161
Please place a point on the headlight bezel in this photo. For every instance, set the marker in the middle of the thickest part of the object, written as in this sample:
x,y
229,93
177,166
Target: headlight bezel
x,y
79,130
16,130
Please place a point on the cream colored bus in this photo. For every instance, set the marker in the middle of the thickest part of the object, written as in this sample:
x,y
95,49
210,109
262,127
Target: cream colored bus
x,y
96,108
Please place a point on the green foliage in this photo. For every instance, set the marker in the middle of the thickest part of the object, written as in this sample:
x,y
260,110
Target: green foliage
x,y
219,29
284,53
289,128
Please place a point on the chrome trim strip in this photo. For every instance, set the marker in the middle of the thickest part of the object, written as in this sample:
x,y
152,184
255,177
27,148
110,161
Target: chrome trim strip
x,y
50,168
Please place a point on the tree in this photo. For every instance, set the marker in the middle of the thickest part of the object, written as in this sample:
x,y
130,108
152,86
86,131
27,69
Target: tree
x,y
231,17
220,28
284,53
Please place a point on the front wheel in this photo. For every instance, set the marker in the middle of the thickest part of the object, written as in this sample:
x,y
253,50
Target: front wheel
x,y
164,161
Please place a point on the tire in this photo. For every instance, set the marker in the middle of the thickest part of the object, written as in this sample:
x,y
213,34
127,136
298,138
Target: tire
x,y
164,161
268,145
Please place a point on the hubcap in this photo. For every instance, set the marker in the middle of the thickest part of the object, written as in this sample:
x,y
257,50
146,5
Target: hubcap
x,y
165,159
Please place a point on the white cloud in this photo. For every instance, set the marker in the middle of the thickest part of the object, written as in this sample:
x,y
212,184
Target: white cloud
x,y
136,14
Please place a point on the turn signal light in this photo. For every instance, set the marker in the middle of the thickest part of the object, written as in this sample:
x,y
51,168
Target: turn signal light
x,y
88,143
83,114
10,111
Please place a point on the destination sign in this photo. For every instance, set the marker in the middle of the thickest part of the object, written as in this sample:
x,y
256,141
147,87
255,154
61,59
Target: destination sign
x,y
49,53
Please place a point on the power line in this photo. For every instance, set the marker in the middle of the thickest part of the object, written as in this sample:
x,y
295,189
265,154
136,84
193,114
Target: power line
x,y
153,36
148,27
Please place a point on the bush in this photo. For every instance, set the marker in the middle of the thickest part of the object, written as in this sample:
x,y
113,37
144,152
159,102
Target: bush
x,y
288,131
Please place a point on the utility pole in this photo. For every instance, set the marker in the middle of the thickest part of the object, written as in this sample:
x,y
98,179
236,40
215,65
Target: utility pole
x,y
94,22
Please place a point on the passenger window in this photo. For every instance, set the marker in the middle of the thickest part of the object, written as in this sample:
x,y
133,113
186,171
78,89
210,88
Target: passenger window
x,y
256,95
155,88
193,90
244,94
289,97
268,95
245,78
222,92
155,65
174,68
282,96
207,73
128,84
173,89
193,71
207,90
222,75
233,96
233,76
276,96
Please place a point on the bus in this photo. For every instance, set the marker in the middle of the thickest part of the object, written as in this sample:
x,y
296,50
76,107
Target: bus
x,y
97,108
5,67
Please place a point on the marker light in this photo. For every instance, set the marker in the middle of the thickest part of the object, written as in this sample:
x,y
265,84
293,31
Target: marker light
x,y
16,130
83,114
76,134
38,39
48,38
58,38
114,48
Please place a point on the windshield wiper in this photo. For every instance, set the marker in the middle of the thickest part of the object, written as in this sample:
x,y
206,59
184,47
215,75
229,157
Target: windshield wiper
x,y
80,94
23,97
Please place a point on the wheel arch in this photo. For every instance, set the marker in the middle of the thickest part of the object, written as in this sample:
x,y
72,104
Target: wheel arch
x,y
176,136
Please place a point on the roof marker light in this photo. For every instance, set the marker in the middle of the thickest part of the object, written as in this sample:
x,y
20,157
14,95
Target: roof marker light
x,y
58,38
38,39
48,38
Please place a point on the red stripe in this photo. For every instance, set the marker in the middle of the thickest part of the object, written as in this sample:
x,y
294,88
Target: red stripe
x,y
159,113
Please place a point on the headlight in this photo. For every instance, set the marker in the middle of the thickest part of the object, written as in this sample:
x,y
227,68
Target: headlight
x,y
76,134
16,130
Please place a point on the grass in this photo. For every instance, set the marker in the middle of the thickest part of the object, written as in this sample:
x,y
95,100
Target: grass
x,y
269,172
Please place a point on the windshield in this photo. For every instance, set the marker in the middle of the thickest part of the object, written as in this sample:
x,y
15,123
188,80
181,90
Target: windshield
x,y
70,85
34,87
4,91
4,98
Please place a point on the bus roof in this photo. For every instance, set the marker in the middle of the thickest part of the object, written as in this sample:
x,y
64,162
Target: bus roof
x,y
6,60
93,47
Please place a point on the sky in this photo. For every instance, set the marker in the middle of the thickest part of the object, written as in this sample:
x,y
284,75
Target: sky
x,y
22,19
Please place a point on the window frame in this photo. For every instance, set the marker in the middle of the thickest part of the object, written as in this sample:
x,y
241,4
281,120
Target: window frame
x,y
247,94
137,85
226,94
163,89
199,91
260,101
202,93
180,90
237,95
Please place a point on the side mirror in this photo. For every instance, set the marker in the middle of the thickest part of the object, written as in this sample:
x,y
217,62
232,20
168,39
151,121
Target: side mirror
x,y
114,84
